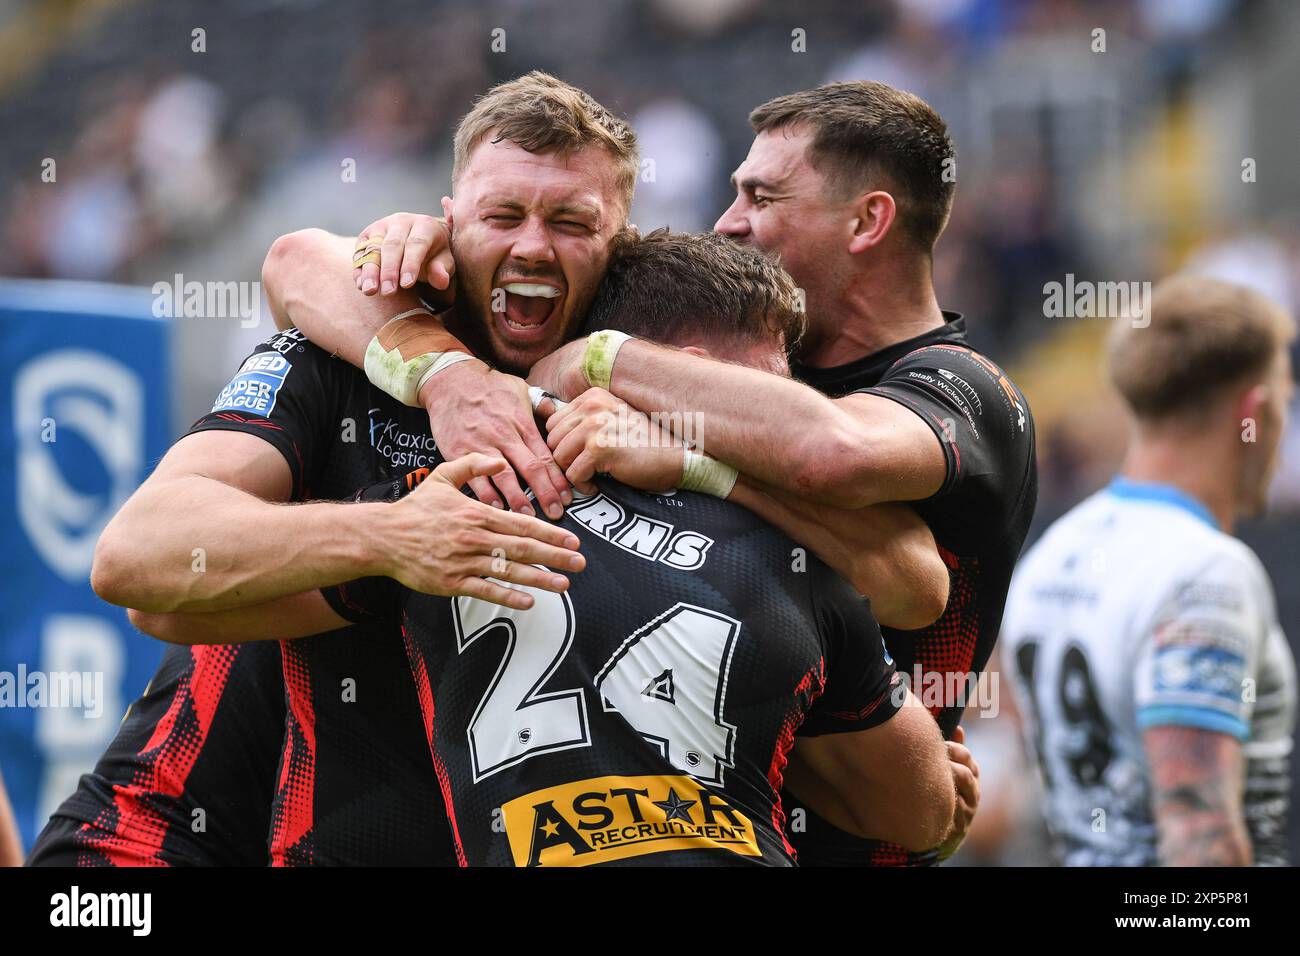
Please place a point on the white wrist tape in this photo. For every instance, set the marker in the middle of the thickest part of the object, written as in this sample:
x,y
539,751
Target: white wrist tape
x,y
403,378
537,395
443,360
708,475
598,360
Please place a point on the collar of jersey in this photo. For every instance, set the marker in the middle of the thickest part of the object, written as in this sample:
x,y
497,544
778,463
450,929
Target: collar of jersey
x,y
868,370
1159,492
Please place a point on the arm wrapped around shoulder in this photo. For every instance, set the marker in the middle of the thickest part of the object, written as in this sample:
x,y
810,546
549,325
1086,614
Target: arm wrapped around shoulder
x,y
890,782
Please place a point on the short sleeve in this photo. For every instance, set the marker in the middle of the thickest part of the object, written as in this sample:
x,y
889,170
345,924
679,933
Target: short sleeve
x,y
286,392
863,689
1198,658
367,600
982,421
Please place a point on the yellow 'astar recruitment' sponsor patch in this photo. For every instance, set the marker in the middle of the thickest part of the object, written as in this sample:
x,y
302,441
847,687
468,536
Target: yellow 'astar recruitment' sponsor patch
x,y
613,818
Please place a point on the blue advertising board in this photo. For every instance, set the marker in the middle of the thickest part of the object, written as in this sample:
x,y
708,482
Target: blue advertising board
x,y
85,399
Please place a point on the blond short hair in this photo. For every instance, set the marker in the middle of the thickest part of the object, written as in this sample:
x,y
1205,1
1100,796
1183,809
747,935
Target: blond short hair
x,y
1205,335
542,114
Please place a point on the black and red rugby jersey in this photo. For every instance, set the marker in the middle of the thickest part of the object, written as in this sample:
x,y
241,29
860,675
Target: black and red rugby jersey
x,y
979,517
188,780
644,716
355,784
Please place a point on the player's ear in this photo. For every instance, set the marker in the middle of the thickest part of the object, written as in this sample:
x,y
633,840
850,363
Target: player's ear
x,y
446,211
1253,403
873,218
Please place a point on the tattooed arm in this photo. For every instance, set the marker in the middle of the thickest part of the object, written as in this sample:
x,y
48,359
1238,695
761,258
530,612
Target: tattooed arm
x,y
1197,779
1195,670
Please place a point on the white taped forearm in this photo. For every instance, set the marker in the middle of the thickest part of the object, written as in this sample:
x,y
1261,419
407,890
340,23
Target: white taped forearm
x,y
403,378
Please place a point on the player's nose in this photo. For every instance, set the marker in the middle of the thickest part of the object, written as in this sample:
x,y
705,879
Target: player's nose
x,y
533,243
732,222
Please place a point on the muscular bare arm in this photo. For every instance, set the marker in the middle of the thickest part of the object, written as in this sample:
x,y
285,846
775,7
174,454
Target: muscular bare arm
x,y
283,619
885,551
308,282
1197,783
850,452
892,782
208,531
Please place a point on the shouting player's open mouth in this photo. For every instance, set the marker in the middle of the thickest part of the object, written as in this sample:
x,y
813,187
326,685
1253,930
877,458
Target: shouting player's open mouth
x,y
529,307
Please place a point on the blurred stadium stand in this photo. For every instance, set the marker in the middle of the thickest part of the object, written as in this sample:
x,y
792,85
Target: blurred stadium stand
x,y
1118,165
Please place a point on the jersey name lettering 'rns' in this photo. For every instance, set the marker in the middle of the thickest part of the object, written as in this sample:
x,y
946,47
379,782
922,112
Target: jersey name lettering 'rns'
x,y
645,537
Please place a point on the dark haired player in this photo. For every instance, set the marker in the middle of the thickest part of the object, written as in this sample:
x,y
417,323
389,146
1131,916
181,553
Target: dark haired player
x,y
647,714
849,184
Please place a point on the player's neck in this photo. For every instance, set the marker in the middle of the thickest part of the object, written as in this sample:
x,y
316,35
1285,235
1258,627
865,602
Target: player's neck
x,y
470,331
876,309
1194,464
